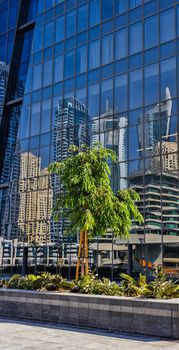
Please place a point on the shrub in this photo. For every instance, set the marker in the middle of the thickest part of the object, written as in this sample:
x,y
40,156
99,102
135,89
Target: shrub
x,y
160,288
90,284
13,282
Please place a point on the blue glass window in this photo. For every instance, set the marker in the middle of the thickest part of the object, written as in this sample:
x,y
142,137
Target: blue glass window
x,y
151,32
81,59
38,38
35,119
81,81
94,32
24,122
49,33
177,9
94,54
168,77
70,4
45,116
134,116
135,3
166,3
106,96
94,76
107,27
13,11
121,21
93,100
134,146
41,7
69,64
70,23
121,6
4,16
47,73
107,49
151,55
81,95
94,12
121,93
82,18
168,49
150,7
167,25
49,3
121,43
151,84
135,85
107,9
81,38
10,45
37,77
58,68
59,29
44,156
3,48
135,37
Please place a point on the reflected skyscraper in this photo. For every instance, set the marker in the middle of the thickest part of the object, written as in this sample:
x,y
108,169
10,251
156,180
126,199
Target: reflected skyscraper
x,y
4,73
35,202
85,79
111,131
70,127
152,127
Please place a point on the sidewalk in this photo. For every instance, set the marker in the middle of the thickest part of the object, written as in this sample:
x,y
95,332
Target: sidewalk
x,y
23,335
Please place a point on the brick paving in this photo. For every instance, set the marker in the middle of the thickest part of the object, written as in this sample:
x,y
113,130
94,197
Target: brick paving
x,y
23,335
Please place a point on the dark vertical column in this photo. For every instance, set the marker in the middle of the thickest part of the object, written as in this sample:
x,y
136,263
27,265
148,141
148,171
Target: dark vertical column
x,y
25,261
129,266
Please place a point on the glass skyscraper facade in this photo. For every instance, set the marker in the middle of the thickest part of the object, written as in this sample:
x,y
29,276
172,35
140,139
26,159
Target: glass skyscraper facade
x,y
82,71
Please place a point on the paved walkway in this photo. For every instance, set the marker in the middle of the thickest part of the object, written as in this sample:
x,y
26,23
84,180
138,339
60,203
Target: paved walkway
x,y
18,335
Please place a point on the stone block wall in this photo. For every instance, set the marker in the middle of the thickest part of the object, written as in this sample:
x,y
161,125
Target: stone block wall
x,y
119,314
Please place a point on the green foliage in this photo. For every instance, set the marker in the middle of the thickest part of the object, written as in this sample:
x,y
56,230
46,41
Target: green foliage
x,y
87,199
13,282
45,281
160,288
90,284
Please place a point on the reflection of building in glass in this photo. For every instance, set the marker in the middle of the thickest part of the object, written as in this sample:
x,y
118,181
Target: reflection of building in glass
x,y
113,135
154,125
35,203
4,73
97,72
70,128
161,211
159,203
166,154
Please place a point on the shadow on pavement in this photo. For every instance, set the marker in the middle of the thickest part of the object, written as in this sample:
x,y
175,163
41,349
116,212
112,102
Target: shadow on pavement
x,y
99,332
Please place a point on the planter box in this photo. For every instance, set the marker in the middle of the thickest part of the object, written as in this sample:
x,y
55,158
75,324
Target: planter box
x,y
119,314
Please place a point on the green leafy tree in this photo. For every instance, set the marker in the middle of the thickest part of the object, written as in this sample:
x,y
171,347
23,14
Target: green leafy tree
x,y
88,200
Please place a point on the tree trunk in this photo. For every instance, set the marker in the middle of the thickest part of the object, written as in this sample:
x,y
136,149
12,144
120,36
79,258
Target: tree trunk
x,y
82,255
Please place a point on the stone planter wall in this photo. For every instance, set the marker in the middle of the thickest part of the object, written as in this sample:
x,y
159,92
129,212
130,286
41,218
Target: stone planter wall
x,y
121,314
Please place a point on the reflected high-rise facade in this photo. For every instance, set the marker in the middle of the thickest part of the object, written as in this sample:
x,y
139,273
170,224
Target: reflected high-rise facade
x,y
4,73
70,127
89,71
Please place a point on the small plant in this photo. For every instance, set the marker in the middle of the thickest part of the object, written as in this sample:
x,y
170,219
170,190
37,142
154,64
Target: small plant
x,y
13,282
90,284
160,288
